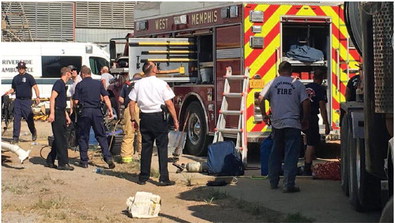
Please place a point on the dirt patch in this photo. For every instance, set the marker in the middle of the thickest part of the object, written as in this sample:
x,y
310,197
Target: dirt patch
x,y
34,193
38,194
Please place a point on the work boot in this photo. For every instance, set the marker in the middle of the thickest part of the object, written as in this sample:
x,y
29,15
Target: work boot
x,y
83,165
166,183
140,182
14,141
34,136
50,165
111,164
291,189
307,169
65,167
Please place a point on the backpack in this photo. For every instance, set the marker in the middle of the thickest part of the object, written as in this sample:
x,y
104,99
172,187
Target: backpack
x,y
224,160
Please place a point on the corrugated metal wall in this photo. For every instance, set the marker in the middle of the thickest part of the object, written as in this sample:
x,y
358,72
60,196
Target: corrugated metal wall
x,y
46,21
111,15
57,21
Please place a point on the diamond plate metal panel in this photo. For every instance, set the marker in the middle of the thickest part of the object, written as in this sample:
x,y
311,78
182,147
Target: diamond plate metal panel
x,y
383,58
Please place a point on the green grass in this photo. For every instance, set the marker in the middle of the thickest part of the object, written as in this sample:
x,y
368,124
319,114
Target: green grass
x,y
15,189
215,195
52,203
154,173
297,217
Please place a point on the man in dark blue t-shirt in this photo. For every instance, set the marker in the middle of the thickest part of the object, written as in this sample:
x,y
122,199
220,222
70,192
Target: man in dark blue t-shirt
x,y
59,118
318,99
22,85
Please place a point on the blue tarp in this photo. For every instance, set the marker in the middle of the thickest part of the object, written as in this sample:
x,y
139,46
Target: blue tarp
x,y
305,53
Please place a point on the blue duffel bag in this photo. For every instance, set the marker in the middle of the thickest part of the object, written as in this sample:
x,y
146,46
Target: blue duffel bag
x,y
224,160
265,149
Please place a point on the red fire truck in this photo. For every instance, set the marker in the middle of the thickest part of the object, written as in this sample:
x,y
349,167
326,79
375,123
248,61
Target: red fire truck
x,y
198,44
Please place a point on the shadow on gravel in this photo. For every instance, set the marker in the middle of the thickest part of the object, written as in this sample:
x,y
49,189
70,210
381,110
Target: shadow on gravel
x,y
172,218
219,206
37,160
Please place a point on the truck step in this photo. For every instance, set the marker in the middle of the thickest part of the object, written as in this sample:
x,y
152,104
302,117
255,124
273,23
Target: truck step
x,y
229,130
231,112
235,77
233,95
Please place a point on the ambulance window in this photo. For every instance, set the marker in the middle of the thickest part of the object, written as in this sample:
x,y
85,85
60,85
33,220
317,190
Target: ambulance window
x,y
51,65
97,63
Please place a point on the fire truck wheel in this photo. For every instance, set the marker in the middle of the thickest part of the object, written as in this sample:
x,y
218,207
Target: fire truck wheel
x,y
364,187
197,138
344,155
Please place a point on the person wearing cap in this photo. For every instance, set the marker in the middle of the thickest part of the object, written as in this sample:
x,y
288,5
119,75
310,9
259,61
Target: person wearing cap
x,y
151,94
88,94
353,84
59,118
22,85
130,131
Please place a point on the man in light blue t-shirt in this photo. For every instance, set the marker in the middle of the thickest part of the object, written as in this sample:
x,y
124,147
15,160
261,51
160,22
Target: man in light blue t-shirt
x,y
287,96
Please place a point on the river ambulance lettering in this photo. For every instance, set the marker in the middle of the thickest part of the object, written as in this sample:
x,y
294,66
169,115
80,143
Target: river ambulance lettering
x,y
9,66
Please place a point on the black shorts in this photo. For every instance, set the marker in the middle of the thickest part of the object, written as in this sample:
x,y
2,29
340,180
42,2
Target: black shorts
x,y
313,133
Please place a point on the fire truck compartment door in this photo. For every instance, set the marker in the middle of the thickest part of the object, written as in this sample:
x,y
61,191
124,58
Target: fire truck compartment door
x,y
178,55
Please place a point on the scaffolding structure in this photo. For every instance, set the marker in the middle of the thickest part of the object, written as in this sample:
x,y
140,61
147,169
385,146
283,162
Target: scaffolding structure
x,y
14,23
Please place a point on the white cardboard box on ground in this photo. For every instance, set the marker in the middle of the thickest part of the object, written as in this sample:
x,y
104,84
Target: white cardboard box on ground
x,y
144,205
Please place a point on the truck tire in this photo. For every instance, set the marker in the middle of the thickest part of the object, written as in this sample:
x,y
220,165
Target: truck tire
x,y
344,155
197,138
364,187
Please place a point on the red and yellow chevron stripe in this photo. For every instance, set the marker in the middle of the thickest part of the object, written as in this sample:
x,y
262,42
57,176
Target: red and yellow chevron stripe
x,y
264,61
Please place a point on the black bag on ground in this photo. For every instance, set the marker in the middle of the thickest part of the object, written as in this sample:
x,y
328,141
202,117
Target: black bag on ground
x,y
224,160
71,135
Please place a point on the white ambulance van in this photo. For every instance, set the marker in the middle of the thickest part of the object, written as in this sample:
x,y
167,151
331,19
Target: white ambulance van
x,y
45,59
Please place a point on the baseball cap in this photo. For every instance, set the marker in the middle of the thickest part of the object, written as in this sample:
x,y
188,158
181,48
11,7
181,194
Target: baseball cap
x,y
21,64
72,67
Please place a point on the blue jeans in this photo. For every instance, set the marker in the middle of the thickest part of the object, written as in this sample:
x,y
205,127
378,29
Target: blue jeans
x,y
286,145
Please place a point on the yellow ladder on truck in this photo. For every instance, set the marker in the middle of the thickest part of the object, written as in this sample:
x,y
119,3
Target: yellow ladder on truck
x,y
241,131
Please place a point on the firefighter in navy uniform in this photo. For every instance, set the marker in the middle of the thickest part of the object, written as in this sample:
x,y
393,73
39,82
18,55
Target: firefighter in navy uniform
x,y
59,118
151,94
87,96
22,84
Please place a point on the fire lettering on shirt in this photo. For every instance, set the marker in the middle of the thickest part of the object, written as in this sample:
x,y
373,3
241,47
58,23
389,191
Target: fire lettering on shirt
x,y
284,91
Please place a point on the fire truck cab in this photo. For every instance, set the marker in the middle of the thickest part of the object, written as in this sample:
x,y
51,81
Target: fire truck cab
x,y
194,43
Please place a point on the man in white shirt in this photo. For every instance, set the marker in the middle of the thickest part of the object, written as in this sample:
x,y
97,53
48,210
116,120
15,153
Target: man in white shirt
x,y
150,93
105,77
